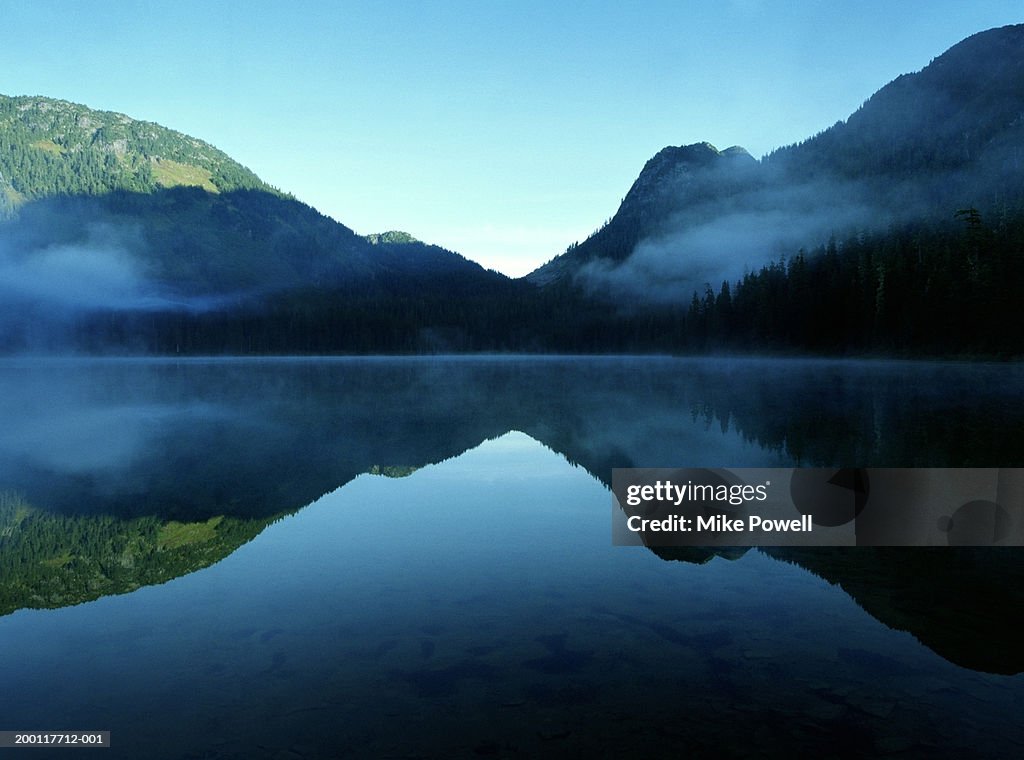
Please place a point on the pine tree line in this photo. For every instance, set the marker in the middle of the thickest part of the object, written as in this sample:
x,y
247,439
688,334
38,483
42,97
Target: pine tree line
x,y
948,289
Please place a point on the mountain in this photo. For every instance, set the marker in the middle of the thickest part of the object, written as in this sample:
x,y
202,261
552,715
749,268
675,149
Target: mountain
x,y
895,232
691,177
112,223
53,147
416,259
391,237
928,144
962,112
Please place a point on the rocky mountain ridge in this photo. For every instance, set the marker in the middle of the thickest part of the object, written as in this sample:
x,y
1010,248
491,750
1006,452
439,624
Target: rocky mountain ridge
x,y
924,146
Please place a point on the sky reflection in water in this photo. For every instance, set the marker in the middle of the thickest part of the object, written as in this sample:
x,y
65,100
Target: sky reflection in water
x,y
475,606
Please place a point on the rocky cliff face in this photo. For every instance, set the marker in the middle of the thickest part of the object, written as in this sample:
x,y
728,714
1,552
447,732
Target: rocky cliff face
x,y
674,180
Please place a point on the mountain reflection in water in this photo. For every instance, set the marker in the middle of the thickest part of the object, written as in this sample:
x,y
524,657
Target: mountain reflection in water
x,y
435,582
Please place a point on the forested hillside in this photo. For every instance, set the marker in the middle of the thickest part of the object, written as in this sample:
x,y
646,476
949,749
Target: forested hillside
x,y
897,231
925,146
51,147
944,289
122,222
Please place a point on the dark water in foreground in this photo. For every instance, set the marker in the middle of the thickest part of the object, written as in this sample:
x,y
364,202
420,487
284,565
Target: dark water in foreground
x,y
412,558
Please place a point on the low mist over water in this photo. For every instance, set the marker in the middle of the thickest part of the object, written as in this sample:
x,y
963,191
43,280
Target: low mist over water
x,y
243,558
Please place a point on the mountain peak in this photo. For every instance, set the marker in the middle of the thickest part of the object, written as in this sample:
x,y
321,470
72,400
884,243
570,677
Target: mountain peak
x,y
686,173
391,237
963,109
674,163
738,152
673,178
671,155
946,137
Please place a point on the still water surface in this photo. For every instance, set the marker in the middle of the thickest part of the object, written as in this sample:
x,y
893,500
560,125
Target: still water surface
x,y
412,558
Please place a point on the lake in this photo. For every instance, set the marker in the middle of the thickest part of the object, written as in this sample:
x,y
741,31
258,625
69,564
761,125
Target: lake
x,y
412,557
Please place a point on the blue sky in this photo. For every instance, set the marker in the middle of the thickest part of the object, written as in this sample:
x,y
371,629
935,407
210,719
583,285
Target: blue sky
x,y
502,130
